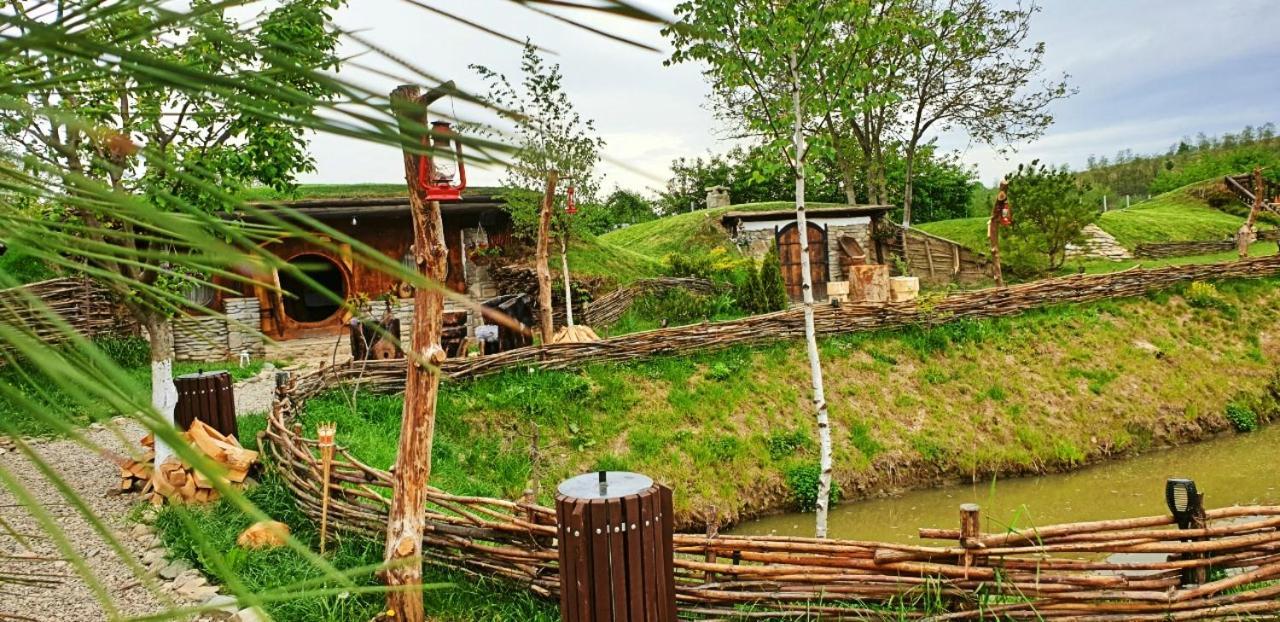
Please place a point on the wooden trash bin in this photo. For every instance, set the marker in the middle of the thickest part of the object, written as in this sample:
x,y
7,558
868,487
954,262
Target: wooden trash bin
x,y
615,549
209,397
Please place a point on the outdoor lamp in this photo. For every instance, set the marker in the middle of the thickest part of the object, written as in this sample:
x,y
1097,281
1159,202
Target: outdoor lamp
x,y
442,164
1180,495
570,206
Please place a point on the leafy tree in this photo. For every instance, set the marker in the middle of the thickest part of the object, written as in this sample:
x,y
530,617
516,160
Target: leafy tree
x,y
549,135
1050,212
972,69
621,207
761,50
774,296
177,147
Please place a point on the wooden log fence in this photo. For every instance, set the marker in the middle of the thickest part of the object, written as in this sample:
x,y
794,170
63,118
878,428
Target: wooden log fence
x,y
936,259
1079,571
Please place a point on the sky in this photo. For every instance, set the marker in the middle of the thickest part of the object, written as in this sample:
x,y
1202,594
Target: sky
x,y
1147,72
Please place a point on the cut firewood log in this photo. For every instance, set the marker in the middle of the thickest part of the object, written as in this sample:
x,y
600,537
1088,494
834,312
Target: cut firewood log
x,y
176,481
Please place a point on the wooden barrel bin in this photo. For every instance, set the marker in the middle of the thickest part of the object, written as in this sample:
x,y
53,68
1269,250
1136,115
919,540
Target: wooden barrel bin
x,y
209,397
615,549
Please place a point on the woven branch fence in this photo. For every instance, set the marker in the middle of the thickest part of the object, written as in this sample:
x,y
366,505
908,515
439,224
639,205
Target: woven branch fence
x,y
1158,250
80,302
983,303
1128,569
608,308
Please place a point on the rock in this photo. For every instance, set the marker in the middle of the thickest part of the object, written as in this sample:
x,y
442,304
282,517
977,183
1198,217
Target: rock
x,y
174,568
222,602
1148,347
141,531
153,557
251,614
198,593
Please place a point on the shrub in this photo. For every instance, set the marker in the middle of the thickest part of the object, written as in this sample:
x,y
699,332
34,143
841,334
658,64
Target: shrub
x,y
1203,295
1242,418
125,351
785,444
1049,211
679,306
774,296
802,485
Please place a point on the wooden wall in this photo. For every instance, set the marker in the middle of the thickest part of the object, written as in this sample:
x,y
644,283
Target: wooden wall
x,y
937,260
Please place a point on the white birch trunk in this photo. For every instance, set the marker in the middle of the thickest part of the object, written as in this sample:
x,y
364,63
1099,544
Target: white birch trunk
x,y
568,291
810,335
164,393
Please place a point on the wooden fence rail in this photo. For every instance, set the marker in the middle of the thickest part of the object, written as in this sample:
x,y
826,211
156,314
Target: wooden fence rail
x,y
1081,571
1157,250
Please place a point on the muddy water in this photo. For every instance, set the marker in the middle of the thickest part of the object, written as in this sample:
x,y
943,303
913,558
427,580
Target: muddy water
x,y
1231,470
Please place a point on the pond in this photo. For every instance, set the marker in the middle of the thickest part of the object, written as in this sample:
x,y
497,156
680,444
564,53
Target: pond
x,y
1240,469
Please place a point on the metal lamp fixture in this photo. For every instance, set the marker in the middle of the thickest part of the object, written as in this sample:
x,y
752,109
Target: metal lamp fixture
x,y
442,164
1180,495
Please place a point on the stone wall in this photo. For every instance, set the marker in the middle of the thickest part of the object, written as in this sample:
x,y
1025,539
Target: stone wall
x,y
756,241
200,338
244,319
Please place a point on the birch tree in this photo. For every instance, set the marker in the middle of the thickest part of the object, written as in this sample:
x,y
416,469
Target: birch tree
x,y
766,51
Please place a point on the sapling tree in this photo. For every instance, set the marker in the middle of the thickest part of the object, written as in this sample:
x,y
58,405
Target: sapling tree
x,y
547,134
1051,213
114,136
760,50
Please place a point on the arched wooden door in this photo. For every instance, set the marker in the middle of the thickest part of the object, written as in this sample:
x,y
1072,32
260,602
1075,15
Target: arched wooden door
x,y
789,256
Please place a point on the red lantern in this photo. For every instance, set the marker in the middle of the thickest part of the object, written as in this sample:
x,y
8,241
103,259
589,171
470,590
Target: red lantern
x,y
570,207
442,164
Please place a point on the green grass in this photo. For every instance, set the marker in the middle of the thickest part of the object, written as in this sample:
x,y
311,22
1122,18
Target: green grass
x,y
58,404
725,428
698,231
1175,216
206,538
591,256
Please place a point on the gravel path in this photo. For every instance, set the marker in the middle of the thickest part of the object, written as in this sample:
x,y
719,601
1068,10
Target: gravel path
x,y
92,477
254,395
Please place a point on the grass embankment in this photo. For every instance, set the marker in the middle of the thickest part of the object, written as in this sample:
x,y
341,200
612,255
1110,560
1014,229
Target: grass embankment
x,y
698,231
1175,216
1047,390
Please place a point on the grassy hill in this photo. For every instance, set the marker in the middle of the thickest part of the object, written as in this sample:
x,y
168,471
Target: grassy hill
x,y
1171,217
697,231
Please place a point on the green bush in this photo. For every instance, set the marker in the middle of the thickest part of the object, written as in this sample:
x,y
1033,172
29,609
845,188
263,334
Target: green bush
x,y
125,351
762,291
1242,418
680,306
1203,295
785,444
802,485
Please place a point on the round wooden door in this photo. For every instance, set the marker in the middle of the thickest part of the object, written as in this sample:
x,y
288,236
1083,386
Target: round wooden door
x,y
789,256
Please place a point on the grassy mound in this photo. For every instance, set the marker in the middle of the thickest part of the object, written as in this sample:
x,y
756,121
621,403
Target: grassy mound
x,y
1047,390
691,232
1175,216
593,257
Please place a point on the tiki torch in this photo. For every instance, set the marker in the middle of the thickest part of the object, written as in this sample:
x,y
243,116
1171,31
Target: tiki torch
x,y
324,436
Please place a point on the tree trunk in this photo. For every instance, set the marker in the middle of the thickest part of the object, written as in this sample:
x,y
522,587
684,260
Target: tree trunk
x,y
568,288
164,394
407,518
544,272
907,185
1245,235
810,334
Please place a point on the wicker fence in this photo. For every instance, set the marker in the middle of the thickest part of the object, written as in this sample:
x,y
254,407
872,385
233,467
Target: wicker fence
x,y
80,302
830,320
607,309
1132,569
1157,250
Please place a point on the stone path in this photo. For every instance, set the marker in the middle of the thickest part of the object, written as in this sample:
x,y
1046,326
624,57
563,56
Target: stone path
x,y
148,583
1098,244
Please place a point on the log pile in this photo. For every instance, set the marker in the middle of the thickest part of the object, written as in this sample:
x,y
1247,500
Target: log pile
x,y
178,482
1057,572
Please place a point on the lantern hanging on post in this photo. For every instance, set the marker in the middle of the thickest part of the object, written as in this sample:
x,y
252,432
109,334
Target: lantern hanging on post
x,y
570,207
442,164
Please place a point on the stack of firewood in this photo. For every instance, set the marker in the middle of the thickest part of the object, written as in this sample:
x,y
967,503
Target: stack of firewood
x,y
177,481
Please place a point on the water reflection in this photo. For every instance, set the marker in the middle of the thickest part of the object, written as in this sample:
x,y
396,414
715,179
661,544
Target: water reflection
x,y
1231,470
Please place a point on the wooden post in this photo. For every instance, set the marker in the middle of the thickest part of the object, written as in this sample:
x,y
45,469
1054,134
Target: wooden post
x,y
993,230
407,518
1200,574
1245,235
970,533
543,271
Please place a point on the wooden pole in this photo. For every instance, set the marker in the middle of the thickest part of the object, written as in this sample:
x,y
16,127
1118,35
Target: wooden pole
x,y
970,533
1245,235
324,438
543,271
993,230
407,518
